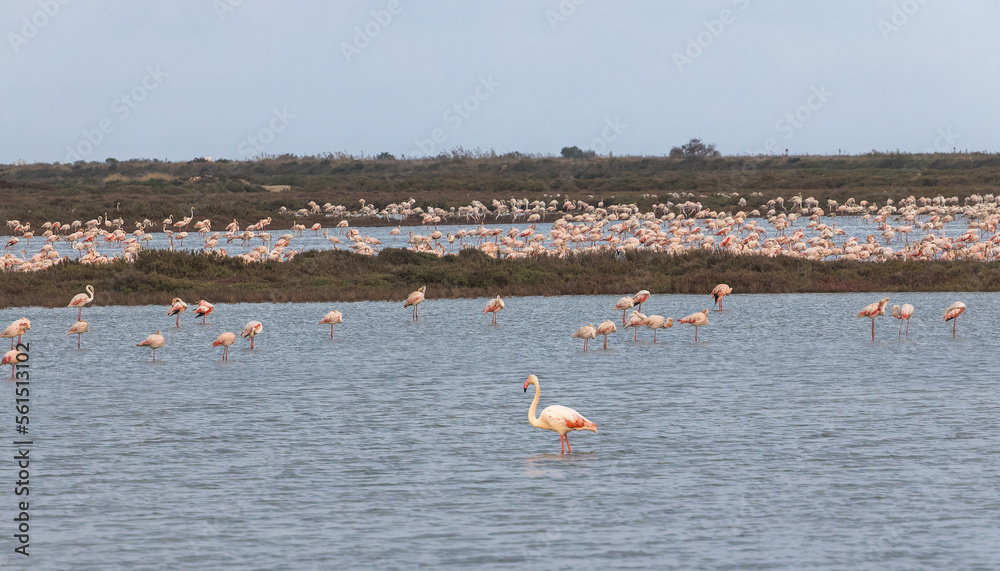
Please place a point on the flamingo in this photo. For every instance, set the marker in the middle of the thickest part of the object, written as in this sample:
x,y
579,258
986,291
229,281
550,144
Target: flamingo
x,y
635,321
155,341
720,291
558,418
415,299
905,313
624,304
177,307
203,309
251,330
640,297
873,310
587,332
655,322
606,328
332,318
78,329
16,329
952,313
10,358
226,339
81,299
697,319
494,306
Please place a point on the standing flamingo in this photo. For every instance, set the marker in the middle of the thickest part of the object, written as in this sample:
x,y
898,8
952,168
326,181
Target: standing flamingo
x,y
81,299
16,329
720,291
952,313
587,332
202,311
251,330
177,307
494,306
873,310
606,328
226,339
624,304
558,418
635,321
905,313
155,341
332,318
698,320
415,299
655,322
78,329
639,298
10,358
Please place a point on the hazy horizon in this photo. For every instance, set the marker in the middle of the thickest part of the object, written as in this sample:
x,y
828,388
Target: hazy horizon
x,y
236,79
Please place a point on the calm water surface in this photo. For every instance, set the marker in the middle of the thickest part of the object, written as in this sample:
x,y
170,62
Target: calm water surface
x,y
784,439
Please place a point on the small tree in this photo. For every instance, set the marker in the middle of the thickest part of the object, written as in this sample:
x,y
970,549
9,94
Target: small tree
x,y
575,152
385,156
694,149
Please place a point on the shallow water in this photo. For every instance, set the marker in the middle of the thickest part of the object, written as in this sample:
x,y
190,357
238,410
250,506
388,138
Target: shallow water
x,y
785,438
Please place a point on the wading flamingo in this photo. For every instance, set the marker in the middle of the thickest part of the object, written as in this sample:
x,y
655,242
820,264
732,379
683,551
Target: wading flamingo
x,y
587,332
558,418
873,310
698,320
905,313
635,321
177,307
81,299
332,318
605,329
226,339
494,306
251,330
415,299
203,309
952,313
639,298
655,322
624,304
16,329
10,358
155,341
720,291
78,329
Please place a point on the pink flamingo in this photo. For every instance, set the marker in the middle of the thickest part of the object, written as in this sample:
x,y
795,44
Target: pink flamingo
x,y
639,298
635,321
226,339
698,320
78,329
494,306
81,299
154,341
720,291
10,358
606,328
587,332
873,310
16,329
251,330
952,313
655,322
415,299
557,418
203,309
332,319
177,307
905,313
624,304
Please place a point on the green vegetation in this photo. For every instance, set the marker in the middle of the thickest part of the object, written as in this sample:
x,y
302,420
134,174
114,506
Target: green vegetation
x,y
158,275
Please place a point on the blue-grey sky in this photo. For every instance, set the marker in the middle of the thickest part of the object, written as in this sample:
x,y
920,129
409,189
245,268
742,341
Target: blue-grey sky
x,y
232,79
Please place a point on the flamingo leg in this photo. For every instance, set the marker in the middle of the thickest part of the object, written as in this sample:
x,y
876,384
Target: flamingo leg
x,y
907,328
331,331
178,320
623,316
953,325
251,341
901,328
78,335
605,341
154,354
568,447
562,445
695,333
79,313
873,328
654,336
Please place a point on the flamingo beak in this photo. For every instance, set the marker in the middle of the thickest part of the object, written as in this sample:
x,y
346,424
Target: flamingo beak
x,y
525,389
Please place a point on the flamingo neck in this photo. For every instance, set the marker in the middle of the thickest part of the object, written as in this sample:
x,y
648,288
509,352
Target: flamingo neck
x,y
534,404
